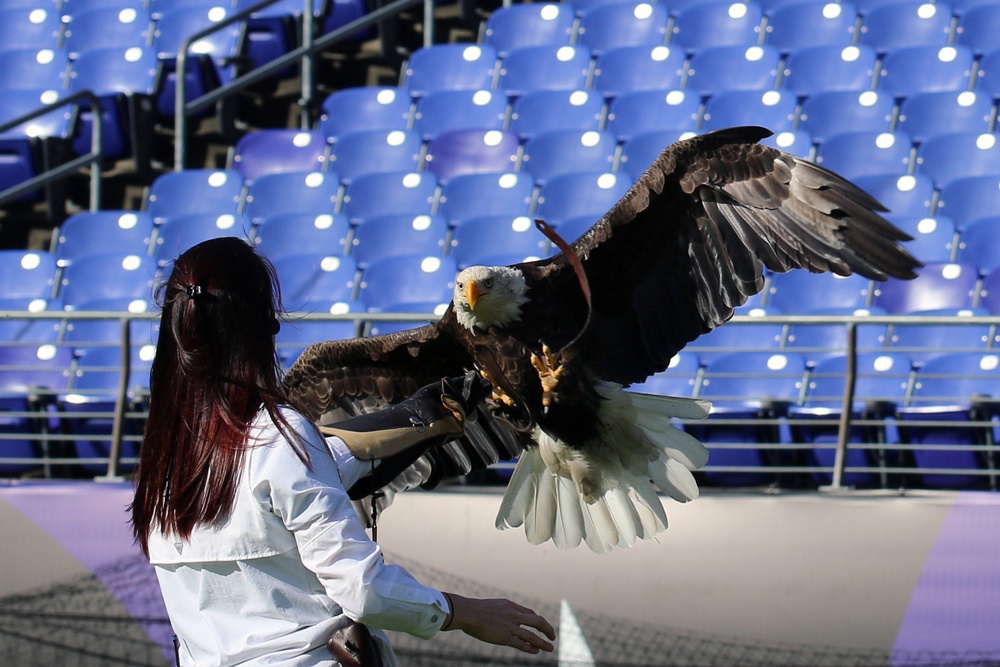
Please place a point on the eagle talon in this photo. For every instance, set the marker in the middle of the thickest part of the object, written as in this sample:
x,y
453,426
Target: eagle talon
x,y
549,372
498,394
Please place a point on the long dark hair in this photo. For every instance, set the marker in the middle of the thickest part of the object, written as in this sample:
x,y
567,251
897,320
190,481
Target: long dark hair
x,y
215,368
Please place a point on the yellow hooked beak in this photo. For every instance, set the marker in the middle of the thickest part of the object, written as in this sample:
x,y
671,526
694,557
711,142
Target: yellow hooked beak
x,y
471,293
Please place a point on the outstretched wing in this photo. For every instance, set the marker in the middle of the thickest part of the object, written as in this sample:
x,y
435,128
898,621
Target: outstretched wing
x,y
689,241
334,380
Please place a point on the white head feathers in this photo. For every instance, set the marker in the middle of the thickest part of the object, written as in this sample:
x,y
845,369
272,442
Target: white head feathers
x,y
488,296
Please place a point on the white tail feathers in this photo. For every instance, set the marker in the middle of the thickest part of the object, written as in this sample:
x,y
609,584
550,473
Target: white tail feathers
x,y
551,492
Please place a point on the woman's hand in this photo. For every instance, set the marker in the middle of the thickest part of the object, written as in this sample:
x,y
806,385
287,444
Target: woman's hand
x,y
500,622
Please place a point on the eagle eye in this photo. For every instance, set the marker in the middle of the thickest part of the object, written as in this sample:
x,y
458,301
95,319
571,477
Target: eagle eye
x,y
488,283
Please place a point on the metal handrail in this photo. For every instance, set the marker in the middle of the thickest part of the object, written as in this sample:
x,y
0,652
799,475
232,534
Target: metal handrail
x,y
95,155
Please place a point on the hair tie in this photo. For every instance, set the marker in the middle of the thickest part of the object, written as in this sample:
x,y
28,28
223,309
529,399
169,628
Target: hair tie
x,y
193,291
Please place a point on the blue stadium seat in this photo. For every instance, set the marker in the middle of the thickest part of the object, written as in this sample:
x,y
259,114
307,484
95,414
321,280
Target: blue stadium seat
x,y
988,74
938,285
636,113
572,229
927,114
910,70
581,7
298,333
178,234
906,195
801,25
450,67
85,335
472,152
565,151
364,108
922,342
292,192
882,381
680,378
800,291
978,27
989,292
956,388
711,24
774,109
933,236
273,31
818,342
412,193
33,69
106,27
26,148
544,68
715,69
899,24
948,157
441,111
27,274
516,26
641,150
399,234
106,276
854,154
630,68
297,233
816,69
577,194
828,113
795,142
97,232
540,111
177,193
273,151
496,241
476,195
30,28
615,25
979,244
740,336
397,282
375,151
968,199
311,277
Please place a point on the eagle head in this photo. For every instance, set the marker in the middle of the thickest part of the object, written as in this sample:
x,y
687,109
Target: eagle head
x,y
488,296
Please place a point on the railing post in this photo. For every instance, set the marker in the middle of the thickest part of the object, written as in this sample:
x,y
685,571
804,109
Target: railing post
x,y
844,427
428,22
306,70
121,403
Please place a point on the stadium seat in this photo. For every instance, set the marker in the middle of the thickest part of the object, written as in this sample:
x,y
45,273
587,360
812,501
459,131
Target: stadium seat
x,y
544,68
978,27
882,381
895,25
910,70
818,342
988,74
313,192
97,232
800,25
968,199
412,193
938,285
795,142
385,236
615,25
178,234
27,274
773,109
816,69
106,276
496,241
472,152
953,389
85,335
922,342
274,30
948,157
641,150
311,277
274,151
297,233
450,67
854,154
933,236
297,333
989,292
906,195
924,115
545,110
800,291
825,114
565,151
105,27
375,151
177,193
30,28
630,68
571,229
26,148
712,24
441,111
516,26
680,378
577,194
33,69
713,70
397,282
638,112
740,336
364,108
979,244
477,195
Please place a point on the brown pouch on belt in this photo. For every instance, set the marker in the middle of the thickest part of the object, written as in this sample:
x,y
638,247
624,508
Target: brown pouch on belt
x,y
353,646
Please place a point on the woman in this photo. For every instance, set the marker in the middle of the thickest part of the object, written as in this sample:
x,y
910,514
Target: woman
x,y
241,504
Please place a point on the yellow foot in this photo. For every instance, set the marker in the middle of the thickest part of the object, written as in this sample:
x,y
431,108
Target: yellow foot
x,y
549,372
498,393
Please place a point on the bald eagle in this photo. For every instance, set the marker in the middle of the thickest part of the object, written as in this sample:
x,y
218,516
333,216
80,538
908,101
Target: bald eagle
x,y
560,338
